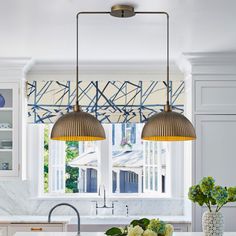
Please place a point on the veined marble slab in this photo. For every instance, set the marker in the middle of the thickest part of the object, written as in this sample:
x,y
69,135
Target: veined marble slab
x,y
124,220
91,220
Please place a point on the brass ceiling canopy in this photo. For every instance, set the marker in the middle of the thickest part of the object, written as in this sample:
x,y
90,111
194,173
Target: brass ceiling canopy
x,y
122,11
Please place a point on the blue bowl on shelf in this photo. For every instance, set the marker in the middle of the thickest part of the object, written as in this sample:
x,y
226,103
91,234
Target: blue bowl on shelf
x,y
2,101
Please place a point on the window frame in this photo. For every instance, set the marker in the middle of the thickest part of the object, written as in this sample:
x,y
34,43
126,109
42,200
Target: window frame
x,y
105,167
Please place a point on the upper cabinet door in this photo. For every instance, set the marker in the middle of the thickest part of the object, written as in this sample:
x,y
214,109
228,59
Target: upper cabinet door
x,y
215,148
9,117
216,97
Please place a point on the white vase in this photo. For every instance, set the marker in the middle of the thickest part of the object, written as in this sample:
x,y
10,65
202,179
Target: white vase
x,y
213,223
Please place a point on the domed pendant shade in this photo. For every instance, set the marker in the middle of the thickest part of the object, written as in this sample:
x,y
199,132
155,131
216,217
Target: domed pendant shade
x,y
168,126
77,126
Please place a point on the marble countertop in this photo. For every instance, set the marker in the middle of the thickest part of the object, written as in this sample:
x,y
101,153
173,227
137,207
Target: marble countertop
x,y
102,234
23,219
124,220
87,220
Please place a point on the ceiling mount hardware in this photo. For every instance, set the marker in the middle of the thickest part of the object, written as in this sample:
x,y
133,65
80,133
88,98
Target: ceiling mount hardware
x,y
122,11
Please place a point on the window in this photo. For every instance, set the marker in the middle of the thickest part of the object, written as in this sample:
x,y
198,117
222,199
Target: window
x,y
69,167
136,167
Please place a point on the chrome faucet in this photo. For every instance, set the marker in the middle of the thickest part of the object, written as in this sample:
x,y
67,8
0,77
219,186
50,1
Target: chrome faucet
x,y
65,204
104,195
112,207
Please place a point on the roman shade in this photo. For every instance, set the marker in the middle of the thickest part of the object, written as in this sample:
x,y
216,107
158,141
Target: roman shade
x,y
108,101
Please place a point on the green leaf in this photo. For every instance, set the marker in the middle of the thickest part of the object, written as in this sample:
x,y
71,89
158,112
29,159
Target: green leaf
x,y
232,194
113,231
144,221
134,222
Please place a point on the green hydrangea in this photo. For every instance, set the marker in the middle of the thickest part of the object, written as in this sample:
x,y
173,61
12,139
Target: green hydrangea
x,y
220,195
169,230
195,194
157,226
207,193
232,194
207,184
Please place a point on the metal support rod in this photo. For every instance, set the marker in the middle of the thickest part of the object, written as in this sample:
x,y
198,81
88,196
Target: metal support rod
x,y
167,49
77,47
139,12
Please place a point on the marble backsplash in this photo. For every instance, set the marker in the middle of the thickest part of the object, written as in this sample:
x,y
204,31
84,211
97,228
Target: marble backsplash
x,y
15,199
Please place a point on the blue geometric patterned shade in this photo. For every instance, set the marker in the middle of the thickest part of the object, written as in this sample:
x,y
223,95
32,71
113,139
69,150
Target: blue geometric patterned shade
x,y
109,101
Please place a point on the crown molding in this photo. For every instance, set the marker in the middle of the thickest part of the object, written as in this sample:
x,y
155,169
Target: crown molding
x,y
205,63
124,70
14,62
13,67
211,58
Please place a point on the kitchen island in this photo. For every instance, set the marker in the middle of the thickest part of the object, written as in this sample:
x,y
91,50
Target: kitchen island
x,y
102,234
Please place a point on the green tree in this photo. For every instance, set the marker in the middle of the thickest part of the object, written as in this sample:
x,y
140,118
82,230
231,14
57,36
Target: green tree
x,y
46,154
72,174
72,151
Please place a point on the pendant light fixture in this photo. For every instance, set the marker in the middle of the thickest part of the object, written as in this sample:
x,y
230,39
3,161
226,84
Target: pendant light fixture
x,y
168,125
82,126
77,125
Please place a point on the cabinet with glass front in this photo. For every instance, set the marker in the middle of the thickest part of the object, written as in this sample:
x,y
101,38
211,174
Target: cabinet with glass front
x,y
8,129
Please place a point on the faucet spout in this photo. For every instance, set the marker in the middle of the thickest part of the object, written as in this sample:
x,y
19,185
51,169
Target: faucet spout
x,y
104,198
69,205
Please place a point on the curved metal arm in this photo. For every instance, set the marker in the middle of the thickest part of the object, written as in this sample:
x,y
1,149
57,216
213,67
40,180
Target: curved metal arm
x,y
167,47
77,48
139,12
65,204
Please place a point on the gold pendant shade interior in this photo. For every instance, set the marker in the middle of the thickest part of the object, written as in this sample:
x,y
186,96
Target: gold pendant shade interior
x,y
168,126
78,126
82,126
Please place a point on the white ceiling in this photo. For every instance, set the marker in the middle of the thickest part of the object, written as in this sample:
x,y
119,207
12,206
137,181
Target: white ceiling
x,y
45,29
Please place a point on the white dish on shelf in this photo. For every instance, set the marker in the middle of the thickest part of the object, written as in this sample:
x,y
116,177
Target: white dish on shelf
x,y
6,144
5,126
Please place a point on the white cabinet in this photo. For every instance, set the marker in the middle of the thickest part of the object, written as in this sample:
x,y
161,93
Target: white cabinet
x,y
218,97
9,229
13,228
211,103
215,148
3,231
215,156
9,117
13,114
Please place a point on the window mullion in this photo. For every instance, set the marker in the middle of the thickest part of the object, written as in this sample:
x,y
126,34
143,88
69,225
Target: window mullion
x,y
56,164
159,187
105,160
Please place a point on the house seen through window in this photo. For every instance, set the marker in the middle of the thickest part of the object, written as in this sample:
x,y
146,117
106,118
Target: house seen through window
x,y
137,166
